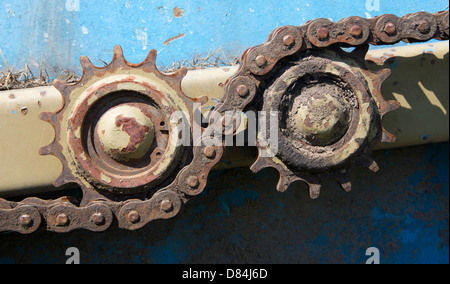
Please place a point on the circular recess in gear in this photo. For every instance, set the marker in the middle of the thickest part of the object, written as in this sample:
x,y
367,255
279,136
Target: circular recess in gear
x,y
325,116
114,132
318,113
329,109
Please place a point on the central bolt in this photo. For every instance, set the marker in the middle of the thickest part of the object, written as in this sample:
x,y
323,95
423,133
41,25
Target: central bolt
x,y
319,116
125,132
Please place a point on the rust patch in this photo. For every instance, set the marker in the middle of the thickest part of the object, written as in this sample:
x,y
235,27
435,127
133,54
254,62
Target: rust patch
x,y
43,93
12,97
24,110
167,42
136,131
178,12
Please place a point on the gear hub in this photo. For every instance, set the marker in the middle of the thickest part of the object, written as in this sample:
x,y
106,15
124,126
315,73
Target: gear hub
x,y
114,133
329,109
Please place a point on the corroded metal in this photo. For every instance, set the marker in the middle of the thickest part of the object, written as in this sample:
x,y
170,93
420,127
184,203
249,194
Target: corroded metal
x,y
116,138
324,135
330,112
133,183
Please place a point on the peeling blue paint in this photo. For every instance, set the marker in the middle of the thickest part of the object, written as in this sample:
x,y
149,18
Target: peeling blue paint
x,y
59,32
402,215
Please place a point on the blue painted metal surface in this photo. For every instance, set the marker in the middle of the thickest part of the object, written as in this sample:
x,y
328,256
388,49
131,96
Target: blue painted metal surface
x,y
57,33
403,210
241,218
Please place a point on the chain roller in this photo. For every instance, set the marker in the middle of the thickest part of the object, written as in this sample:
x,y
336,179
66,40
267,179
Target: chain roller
x,y
65,214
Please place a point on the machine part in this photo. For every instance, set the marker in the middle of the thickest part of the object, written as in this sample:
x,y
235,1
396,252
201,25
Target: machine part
x,y
423,95
97,152
329,111
117,138
114,133
328,105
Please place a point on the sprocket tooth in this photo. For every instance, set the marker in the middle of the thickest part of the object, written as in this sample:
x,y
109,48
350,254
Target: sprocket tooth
x,y
177,78
373,166
59,181
47,150
285,181
388,137
314,190
151,58
360,51
389,106
118,54
345,183
258,165
86,64
359,54
60,85
180,74
382,74
46,116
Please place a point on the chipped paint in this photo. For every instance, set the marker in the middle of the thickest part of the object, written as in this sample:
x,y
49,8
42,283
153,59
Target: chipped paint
x,y
178,12
105,178
167,42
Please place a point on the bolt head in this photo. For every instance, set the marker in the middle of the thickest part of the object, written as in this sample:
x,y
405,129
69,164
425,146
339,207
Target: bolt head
x,y
98,219
242,91
133,216
288,40
125,132
390,28
209,152
261,60
166,205
424,27
356,31
62,220
322,33
25,220
193,182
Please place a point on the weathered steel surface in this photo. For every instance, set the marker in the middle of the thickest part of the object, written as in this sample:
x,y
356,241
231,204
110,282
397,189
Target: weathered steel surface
x,y
259,78
423,95
241,219
105,192
119,180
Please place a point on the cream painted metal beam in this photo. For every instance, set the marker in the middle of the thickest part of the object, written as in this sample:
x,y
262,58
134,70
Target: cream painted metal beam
x,y
419,81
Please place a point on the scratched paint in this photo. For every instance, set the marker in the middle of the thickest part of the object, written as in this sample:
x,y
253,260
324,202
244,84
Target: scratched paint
x,y
240,218
57,33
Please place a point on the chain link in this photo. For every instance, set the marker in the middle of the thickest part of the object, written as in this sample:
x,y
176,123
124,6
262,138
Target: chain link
x,y
64,214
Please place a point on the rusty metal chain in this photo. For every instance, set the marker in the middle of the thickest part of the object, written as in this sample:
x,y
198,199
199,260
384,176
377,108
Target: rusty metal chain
x,y
98,214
